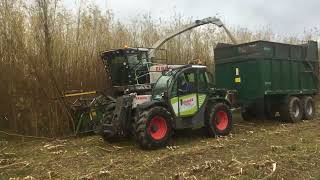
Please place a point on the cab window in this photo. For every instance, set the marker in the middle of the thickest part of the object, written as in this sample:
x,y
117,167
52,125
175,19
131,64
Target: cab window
x,y
203,81
186,83
174,90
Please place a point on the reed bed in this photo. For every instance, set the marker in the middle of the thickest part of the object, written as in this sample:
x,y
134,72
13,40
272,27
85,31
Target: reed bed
x,y
46,50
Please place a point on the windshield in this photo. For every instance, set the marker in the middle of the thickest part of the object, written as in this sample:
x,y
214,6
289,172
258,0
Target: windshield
x,y
161,86
137,59
127,67
133,59
118,59
117,70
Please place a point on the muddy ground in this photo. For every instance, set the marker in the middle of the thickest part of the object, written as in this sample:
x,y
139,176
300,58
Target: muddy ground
x,y
260,150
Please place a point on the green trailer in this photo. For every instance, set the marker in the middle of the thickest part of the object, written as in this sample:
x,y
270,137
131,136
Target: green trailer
x,y
271,79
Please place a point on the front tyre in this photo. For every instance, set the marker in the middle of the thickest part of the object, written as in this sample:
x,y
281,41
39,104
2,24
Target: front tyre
x,y
219,120
153,127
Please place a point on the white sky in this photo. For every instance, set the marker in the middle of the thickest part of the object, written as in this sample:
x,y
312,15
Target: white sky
x,y
287,17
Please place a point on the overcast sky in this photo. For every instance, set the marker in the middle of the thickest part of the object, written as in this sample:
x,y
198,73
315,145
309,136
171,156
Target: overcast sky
x,y
286,17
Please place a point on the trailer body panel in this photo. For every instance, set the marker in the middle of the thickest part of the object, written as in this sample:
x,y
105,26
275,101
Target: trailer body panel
x,y
262,69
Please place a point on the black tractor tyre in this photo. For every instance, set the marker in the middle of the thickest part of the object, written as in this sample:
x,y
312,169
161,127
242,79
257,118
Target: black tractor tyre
x,y
153,128
309,109
292,110
108,116
218,120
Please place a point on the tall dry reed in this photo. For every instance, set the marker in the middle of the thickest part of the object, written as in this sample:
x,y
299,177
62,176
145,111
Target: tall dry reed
x,y
46,50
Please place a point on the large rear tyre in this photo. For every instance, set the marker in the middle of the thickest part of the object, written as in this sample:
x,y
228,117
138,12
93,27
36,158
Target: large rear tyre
x,y
292,110
309,108
219,120
153,128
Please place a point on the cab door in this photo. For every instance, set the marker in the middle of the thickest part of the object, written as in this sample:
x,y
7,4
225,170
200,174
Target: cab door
x,y
184,97
203,81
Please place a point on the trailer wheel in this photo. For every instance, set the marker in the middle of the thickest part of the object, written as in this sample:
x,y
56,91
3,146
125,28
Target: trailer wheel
x,y
292,110
308,106
154,127
219,120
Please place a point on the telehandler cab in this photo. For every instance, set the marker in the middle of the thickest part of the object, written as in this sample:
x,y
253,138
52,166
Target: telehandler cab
x,y
182,98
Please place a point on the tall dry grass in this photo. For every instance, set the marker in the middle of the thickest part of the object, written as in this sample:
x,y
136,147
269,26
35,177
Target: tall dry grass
x,y
46,50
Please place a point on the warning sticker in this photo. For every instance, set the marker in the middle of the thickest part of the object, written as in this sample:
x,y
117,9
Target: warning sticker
x,y
237,80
